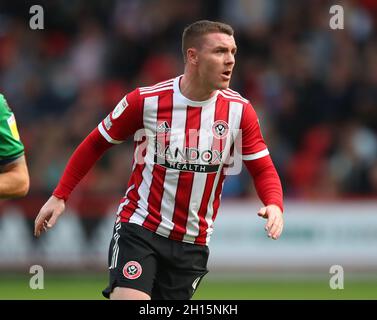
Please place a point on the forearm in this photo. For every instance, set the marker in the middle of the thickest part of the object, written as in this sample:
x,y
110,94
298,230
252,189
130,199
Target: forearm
x,y
14,179
81,161
266,180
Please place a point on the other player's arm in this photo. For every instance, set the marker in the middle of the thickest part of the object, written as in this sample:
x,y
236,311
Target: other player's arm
x,y
124,121
14,178
260,166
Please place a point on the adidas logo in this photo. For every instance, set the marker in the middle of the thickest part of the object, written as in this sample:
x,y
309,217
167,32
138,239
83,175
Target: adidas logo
x,y
163,127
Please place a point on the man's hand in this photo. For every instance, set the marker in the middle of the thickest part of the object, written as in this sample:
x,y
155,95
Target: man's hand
x,y
275,223
48,215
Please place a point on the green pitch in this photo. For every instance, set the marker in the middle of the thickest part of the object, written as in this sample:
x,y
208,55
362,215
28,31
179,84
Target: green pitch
x,y
89,286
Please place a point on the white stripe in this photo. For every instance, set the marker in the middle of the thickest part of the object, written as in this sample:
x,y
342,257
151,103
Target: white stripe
x,y
156,87
160,84
150,121
234,92
257,155
115,256
156,90
106,135
210,205
137,154
178,125
211,224
125,201
236,96
200,179
141,211
116,236
234,121
233,97
235,115
115,253
122,205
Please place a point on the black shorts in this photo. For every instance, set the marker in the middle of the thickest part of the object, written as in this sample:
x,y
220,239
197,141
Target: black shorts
x,y
161,267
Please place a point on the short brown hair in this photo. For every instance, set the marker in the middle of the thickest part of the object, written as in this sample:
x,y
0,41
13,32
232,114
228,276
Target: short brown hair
x,y
194,31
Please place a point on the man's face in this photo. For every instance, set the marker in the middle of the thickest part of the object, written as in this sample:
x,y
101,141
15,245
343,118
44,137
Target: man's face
x,y
216,60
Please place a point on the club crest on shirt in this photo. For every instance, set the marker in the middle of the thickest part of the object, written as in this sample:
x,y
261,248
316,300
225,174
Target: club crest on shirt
x,y
220,129
118,110
132,270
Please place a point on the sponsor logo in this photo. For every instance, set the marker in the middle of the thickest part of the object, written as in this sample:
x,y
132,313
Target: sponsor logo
x,y
108,122
163,127
220,129
188,159
13,127
132,270
191,167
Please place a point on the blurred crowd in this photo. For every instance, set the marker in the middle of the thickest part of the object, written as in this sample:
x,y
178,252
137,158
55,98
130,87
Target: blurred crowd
x,y
314,88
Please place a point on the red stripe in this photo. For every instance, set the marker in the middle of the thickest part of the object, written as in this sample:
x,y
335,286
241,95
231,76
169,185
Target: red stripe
x,y
160,84
136,180
152,221
158,89
202,236
221,113
186,179
216,202
133,196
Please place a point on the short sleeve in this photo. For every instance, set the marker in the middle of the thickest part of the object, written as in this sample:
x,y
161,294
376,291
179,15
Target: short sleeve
x,y
253,145
124,120
11,146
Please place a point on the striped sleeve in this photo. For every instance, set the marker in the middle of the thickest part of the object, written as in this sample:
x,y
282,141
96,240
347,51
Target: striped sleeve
x,y
253,145
124,120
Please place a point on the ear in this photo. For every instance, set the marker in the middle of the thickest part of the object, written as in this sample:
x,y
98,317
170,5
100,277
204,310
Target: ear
x,y
192,56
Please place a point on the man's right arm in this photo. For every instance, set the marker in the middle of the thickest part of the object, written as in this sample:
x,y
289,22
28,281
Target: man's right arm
x,y
122,122
81,161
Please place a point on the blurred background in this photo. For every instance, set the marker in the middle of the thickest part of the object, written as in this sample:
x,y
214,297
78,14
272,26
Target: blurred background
x,y
314,89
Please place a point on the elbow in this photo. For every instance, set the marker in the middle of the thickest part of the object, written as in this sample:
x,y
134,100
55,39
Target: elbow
x,y
22,187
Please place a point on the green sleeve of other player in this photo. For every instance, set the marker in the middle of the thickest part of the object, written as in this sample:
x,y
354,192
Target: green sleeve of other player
x,y
11,146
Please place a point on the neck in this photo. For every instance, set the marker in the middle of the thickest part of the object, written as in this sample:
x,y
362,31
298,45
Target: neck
x,y
193,88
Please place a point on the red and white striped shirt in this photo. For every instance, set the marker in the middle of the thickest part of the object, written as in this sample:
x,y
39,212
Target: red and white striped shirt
x,y
177,177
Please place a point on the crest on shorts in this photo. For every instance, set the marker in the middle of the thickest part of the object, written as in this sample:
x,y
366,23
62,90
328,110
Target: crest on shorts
x,y
132,270
220,129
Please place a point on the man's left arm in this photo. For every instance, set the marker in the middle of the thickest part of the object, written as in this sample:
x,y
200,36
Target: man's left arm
x,y
260,166
268,186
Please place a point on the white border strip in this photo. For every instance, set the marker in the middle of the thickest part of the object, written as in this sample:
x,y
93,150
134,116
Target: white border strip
x,y
106,135
257,155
